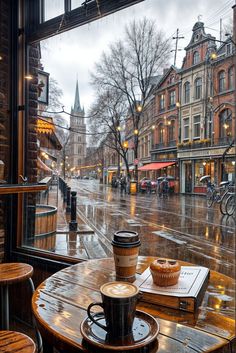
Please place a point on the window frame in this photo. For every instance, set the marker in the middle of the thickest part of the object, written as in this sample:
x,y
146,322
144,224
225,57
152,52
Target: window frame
x,y
196,57
186,122
162,102
39,29
171,130
172,98
187,92
161,132
231,78
221,81
197,125
198,88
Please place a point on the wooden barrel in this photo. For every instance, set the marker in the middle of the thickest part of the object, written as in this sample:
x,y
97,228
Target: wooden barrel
x,y
45,220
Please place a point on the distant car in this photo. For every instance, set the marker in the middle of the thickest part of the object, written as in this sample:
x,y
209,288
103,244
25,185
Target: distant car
x,y
85,177
143,184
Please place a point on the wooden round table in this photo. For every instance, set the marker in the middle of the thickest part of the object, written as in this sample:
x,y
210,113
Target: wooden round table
x,y
16,342
60,303
11,273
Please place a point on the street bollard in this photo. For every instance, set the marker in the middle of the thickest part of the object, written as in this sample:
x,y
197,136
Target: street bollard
x,y
73,224
64,191
68,200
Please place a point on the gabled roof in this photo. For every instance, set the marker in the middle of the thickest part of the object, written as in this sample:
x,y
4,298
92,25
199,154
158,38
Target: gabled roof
x,y
166,74
199,35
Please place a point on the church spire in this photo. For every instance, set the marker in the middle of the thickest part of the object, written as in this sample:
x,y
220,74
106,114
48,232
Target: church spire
x,y
77,107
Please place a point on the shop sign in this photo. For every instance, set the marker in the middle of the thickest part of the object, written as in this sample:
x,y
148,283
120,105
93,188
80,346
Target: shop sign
x,y
203,153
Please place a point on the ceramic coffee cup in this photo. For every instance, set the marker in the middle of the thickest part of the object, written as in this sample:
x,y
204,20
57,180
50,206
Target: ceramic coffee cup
x,y
125,250
119,300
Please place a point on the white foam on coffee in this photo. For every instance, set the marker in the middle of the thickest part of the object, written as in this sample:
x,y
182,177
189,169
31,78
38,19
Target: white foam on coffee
x,y
119,290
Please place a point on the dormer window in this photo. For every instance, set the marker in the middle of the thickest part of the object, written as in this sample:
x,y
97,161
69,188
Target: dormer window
x,y
196,57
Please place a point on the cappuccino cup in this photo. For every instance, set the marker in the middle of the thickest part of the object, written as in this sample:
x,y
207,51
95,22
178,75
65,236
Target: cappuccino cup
x,y
125,250
119,300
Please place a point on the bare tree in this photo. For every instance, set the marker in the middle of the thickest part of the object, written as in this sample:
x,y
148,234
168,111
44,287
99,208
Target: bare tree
x,y
108,123
130,66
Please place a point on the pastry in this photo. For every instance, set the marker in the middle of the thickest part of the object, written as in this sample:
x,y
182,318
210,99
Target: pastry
x,y
165,272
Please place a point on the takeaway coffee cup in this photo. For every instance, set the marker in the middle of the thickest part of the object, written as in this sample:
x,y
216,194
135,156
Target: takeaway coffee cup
x,y
119,300
125,250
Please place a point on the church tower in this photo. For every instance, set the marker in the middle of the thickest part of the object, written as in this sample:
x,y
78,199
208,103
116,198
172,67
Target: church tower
x,y
77,141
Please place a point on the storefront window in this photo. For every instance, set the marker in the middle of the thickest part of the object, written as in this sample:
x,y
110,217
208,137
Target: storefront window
x,y
203,168
229,170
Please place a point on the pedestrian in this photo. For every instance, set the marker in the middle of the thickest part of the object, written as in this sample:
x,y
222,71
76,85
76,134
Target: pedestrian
x,y
148,186
122,185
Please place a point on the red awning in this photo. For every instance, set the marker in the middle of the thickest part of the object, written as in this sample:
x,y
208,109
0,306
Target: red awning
x,y
43,166
156,166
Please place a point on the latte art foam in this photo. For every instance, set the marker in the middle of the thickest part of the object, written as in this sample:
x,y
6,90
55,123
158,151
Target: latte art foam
x,y
119,289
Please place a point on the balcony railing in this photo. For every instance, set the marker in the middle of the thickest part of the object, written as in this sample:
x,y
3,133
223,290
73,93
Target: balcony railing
x,y
159,146
223,141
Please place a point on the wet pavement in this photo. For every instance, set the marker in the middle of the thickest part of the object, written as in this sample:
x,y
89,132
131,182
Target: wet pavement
x,y
180,226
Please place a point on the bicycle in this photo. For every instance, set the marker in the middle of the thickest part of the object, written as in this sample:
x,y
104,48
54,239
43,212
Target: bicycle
x,y
214,194
229,189
230,204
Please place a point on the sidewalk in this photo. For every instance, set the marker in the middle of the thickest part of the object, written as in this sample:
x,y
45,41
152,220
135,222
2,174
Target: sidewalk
x,y
83,244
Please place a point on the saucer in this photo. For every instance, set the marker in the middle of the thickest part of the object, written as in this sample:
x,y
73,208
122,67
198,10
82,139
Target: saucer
x,y
145,330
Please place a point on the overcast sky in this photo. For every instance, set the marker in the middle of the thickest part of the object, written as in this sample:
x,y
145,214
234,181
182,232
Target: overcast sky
x,y
72,55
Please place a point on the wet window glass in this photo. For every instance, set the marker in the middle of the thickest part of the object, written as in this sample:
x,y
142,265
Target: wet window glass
x,y
76,3
53,8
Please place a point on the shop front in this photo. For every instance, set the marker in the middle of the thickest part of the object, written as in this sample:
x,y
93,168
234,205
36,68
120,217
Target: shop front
x,y
195,164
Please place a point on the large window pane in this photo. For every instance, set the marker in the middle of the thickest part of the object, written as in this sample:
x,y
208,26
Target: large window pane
x,y
53,8
76,3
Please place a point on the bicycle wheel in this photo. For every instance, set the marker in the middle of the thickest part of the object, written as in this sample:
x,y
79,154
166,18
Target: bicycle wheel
x,y
210,198
230,205
223,203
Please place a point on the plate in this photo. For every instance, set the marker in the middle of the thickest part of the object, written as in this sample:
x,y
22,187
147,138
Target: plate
x,y
145,330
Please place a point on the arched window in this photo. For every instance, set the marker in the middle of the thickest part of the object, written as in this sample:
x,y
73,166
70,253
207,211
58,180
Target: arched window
x,y
231,77
196,57
198,88
221,80
171,130
225,118
186,92
161,133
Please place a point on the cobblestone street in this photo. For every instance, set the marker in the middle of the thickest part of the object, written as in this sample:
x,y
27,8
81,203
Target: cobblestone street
x,y
179,226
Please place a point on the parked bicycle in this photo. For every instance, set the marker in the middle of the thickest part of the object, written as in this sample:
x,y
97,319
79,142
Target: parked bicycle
x,y
230,203
216,194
